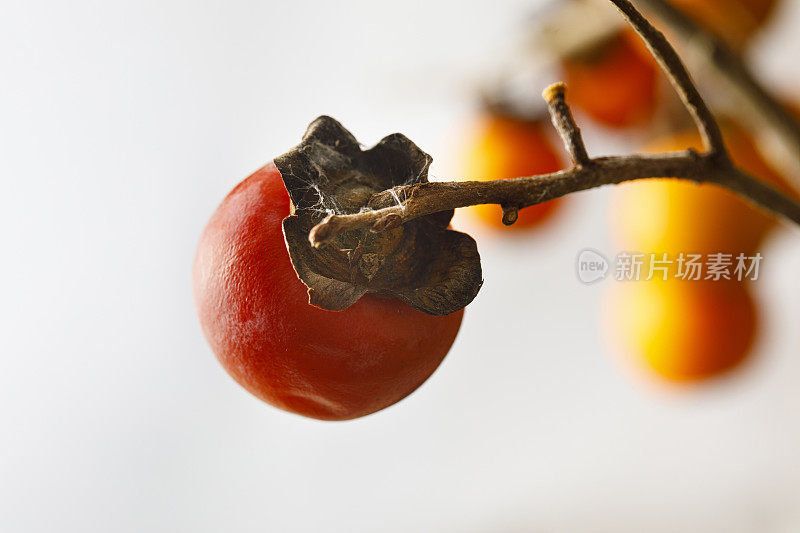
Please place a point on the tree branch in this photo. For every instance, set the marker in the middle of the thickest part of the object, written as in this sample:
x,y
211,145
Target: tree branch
x,y
389,209
753,101
678,76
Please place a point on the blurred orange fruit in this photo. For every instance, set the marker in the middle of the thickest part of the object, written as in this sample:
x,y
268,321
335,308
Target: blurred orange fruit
x,y
688,330
502,147
733,20
682,330
615,85
674,216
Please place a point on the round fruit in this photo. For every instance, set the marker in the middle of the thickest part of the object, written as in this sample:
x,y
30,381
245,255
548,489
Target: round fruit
x,y
683,330
332,365
616,85
675,216
503,147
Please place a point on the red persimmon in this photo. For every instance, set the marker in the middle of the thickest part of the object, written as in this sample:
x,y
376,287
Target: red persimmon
x,y
254,311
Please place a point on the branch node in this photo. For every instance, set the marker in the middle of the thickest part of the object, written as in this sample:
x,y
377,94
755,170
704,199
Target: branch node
x,y
510,214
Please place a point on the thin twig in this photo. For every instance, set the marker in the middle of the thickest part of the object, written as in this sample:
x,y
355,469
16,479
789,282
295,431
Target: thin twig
x,y
429,198
713,166
556,99
678,76
753,101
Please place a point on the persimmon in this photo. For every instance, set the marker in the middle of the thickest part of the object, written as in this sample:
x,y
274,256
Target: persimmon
x,y
254,311
682,330
688,330
733,20
617,84
674,216
503,147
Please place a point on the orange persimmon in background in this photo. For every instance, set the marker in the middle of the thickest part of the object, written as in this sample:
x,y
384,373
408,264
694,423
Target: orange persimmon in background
x,y
687,330
504,147
681,330
734,20
673,216
616,84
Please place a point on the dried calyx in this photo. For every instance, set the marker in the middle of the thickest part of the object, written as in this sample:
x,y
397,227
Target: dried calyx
x,y
423,263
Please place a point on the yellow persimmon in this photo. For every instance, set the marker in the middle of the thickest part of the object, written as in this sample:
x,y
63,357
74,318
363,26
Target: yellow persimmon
x,y
501,147
682,330
674,216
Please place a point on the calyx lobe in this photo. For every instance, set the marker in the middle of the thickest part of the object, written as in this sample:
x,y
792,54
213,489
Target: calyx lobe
x,y
424,263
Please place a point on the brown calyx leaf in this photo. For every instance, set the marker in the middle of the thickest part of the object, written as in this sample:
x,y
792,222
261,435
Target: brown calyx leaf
x,y
424,263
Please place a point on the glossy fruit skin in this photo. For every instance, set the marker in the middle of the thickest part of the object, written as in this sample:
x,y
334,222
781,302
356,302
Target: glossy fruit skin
x,y
673,216
503,147
680,330
255,314
617,87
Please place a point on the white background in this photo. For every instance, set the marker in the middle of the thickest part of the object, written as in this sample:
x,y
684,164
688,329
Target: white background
x,y
123,124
